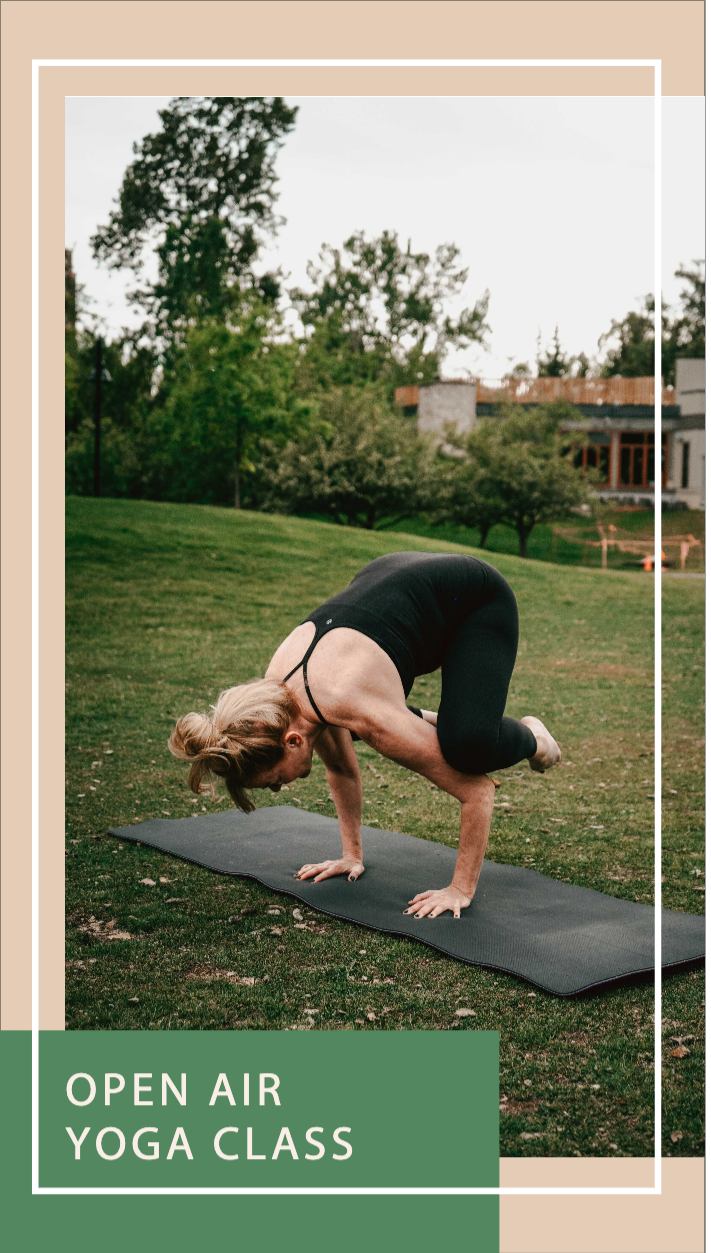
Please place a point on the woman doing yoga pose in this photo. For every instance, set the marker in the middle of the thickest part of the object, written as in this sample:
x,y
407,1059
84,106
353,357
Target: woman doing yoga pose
x,y
344,674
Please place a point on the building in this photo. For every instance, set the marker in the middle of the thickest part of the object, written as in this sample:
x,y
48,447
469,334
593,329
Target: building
x,y
617,415
687,470
442,404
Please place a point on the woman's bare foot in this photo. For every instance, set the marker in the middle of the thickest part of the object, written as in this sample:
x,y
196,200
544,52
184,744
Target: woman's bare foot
x,y
547,753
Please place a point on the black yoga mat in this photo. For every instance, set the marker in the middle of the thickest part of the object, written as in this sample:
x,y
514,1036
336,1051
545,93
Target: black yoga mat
x,y
562,938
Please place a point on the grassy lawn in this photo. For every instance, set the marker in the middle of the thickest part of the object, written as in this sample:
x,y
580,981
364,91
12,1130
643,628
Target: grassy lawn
x,y
168,604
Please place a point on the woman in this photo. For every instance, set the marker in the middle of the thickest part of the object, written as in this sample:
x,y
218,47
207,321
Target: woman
x,y
345,673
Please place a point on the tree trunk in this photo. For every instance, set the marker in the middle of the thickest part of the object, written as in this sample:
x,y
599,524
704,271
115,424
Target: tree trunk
x,y
484,533
523,534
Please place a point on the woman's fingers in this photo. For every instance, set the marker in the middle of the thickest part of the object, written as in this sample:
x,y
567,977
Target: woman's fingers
x,y
327,869
308,870
436,902
327,873
420,908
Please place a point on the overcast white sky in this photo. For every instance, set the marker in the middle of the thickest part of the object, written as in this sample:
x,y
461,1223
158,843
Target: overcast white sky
x,y
549,199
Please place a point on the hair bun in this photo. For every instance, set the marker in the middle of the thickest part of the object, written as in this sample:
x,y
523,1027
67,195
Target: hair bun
x,y
243,737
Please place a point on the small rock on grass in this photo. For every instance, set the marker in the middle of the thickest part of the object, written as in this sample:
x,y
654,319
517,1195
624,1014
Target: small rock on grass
x,y
676,1136
297,914
150,883
465,1013
133,1000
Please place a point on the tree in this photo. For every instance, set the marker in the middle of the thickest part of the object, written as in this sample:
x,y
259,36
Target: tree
x,y
362,465
127,401
553,363
376,312
203,191
461,491
688,330
630,342
522,467
232,388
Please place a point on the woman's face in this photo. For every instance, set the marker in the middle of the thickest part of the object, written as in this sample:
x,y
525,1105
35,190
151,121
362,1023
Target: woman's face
x,y
295,763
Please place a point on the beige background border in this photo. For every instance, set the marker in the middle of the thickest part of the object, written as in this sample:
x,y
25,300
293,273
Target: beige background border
x,y
672,29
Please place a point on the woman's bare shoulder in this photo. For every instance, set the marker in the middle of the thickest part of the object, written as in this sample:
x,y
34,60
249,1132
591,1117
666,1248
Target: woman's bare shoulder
x,y
290,651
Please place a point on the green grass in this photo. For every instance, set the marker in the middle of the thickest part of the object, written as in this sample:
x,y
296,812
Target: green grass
x,y
167,604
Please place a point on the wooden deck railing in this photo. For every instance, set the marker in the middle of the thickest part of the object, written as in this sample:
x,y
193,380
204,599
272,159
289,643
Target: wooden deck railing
x,y
638,391
540,390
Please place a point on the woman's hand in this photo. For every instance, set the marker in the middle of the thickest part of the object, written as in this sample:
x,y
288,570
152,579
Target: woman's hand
x,y
352,866
432,904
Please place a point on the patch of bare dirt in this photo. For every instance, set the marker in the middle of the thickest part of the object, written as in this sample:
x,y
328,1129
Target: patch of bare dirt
x,y
104,930
209,974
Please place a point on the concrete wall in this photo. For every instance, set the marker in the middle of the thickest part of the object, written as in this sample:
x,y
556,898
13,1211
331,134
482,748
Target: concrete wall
x,y
443,403
693,494
691,386
691,398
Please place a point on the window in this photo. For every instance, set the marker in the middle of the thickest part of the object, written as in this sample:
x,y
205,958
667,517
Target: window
x,y
637,459
596,456
685,464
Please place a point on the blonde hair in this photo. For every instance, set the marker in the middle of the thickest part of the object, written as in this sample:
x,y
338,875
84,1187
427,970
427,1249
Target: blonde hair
x,y
243,738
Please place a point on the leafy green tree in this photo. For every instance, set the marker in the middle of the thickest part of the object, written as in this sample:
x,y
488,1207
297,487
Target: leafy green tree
x,y
630,342
361,465
688,330
553,363
126,402
232,388
463,492
377,312
522,467
202,190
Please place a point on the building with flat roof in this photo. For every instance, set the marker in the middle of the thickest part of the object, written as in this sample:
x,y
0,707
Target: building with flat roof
x,y
617,415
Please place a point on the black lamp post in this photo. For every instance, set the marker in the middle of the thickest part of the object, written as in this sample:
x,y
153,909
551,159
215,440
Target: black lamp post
x,y
99,375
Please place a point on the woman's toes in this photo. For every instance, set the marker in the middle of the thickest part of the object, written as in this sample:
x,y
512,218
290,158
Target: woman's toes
x,y
548,753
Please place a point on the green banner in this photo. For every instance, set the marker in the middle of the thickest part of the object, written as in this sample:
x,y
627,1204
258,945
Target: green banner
x,y
145,1222
274,1109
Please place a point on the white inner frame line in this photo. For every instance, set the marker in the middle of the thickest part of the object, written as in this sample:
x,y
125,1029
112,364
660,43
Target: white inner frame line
x,y
582,63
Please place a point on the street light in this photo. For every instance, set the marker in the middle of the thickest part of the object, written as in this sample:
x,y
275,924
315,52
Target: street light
x,y
99,375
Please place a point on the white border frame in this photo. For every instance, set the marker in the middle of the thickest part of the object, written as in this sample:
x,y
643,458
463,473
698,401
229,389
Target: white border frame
x,y
656,64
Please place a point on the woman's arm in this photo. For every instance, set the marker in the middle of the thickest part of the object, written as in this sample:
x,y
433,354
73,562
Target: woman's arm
x,y
412,742
335,748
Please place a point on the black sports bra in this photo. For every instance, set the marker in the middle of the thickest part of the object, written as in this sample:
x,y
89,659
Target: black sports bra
x,y
304,659
317,636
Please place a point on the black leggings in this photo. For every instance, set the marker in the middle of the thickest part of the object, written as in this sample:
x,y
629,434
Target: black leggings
x,y
473,733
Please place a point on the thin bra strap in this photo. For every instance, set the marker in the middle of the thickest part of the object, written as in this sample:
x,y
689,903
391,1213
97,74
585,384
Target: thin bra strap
x,y
298,666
